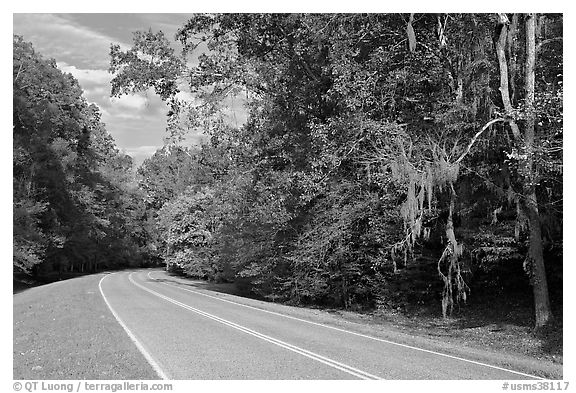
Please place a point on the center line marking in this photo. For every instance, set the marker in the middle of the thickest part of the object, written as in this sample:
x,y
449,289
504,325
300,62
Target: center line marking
x,y
351,332
314,356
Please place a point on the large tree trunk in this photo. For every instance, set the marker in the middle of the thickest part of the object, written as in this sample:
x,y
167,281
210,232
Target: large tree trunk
x,y
535,254
543,313
511,52
528,197
503,65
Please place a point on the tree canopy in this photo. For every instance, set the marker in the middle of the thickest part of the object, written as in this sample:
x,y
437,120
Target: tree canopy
x,y
374,143
76,207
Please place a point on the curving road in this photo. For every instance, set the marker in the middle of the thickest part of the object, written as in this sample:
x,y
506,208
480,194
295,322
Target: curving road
x,y
186,332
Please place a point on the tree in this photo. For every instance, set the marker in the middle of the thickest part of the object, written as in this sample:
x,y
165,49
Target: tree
x,y
526,156
167,174
351,116
73,201
188,233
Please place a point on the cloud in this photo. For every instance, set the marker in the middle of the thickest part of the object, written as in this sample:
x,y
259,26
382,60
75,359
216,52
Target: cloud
x,y
132,102
104,112
131,128
87,77
128,116
168,23
58,36
149,150
99,95
140,153
96,86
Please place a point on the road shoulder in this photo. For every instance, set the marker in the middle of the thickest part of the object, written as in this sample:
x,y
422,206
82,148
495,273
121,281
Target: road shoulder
x,y
65,330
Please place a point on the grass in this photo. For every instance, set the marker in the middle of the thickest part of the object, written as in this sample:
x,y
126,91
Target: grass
x,y
65,330
484,327
503,323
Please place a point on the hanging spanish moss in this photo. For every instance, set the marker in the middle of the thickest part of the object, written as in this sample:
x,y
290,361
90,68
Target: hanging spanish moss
x,y
424,183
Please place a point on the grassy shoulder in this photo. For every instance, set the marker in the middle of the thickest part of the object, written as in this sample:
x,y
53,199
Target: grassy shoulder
x,y
64,330
494,334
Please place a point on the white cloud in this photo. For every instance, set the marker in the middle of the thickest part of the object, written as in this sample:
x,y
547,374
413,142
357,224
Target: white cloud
x,y
104,112
61,38
149,150
140,153
86,77
131,102
128,116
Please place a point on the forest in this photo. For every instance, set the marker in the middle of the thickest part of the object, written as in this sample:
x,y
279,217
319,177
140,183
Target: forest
x,y
387,161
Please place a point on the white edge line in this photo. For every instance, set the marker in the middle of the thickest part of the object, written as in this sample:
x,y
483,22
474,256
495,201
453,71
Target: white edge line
x,y
355,333
140,347
314,356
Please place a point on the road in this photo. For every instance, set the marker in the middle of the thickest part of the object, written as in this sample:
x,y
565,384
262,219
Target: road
x,y
187,332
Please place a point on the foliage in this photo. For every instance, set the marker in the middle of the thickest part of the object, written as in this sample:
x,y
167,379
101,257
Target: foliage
x,y
372,141
75,207
188,234
167,174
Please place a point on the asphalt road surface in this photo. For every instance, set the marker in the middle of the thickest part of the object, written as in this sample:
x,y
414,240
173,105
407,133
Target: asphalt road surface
x,y
190,333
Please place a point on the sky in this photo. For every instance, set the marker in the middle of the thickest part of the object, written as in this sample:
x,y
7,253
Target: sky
x,y
80,44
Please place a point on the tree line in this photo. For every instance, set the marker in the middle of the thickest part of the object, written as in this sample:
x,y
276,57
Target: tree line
x,y
76,207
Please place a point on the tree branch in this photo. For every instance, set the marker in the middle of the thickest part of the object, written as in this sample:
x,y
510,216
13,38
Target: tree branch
x,y
19,71
546,42
476,137
503,65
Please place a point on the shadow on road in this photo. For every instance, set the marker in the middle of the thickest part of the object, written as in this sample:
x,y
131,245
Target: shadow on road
x,y
229,288
498,323
23,282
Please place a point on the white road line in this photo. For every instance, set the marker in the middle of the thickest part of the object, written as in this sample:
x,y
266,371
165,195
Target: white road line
x,y
314,356
162,374
354,333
